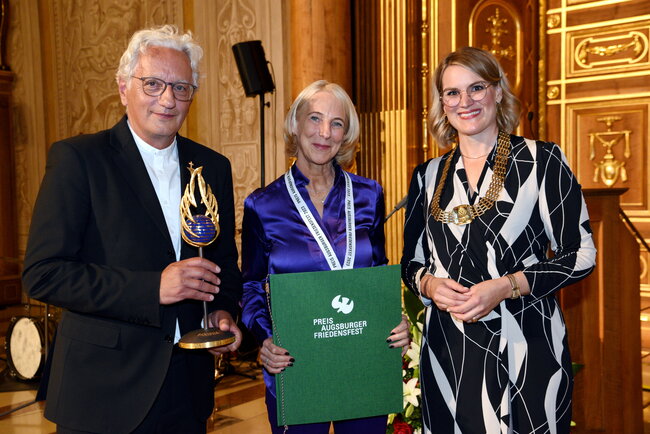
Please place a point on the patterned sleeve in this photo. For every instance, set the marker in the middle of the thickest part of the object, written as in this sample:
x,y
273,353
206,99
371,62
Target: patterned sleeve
x,y
566,223
255,258
416,257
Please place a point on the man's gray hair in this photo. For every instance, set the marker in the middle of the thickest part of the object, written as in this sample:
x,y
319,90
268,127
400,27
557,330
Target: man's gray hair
x,y
163,36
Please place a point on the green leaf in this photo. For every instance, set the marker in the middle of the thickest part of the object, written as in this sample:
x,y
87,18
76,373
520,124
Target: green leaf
x,y
577,367
412,304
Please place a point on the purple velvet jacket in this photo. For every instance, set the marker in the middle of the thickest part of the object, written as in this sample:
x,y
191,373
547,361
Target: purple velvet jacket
x,y
275,239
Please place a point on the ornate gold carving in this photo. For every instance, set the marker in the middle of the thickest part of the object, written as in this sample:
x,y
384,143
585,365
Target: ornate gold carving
x,y
634,42
553,21
553,92
495,26
244,160
236,22
609,168
496,29
238,115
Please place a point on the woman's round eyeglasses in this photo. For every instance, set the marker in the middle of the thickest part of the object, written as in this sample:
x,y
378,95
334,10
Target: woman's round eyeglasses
x,y
153,86
476,92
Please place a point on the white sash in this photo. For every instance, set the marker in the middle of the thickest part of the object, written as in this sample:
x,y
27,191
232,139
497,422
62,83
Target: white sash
x,y
317,231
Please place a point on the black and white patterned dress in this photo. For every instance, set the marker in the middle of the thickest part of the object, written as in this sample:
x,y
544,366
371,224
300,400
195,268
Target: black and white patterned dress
x,y
511,371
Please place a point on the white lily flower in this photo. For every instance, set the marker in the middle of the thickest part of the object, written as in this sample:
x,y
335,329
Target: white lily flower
x,y
413,354
411,392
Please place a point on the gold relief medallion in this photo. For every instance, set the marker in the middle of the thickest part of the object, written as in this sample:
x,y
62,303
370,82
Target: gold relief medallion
x,y
608,170
609,49
553,21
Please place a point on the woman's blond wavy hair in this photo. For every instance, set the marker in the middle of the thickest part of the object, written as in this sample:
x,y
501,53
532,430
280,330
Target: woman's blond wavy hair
x,y
348,148
484,64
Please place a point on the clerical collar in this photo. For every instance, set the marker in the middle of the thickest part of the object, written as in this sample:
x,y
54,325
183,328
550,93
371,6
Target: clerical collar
x,y
151,150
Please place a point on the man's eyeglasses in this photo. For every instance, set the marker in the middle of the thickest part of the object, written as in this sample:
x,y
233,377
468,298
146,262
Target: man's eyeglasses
x,y
153,86
476,91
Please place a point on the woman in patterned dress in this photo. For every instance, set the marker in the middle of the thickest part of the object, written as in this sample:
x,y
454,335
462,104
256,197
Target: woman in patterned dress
x,y
479,222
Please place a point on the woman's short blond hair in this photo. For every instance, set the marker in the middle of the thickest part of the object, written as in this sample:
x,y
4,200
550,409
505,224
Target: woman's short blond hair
x,y
484,64
346,153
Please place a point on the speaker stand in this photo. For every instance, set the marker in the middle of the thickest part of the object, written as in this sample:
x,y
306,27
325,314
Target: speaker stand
x,y
262,169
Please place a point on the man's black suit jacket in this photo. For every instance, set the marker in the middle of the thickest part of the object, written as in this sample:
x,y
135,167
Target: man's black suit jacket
x,y
98,243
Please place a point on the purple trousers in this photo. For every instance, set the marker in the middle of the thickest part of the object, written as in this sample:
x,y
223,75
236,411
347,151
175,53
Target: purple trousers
x,y
367,425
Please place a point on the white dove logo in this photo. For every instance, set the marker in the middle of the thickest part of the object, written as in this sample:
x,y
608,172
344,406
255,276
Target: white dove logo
x,y
342,304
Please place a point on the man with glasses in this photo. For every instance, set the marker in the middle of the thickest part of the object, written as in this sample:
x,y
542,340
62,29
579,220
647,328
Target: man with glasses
x,y
105,245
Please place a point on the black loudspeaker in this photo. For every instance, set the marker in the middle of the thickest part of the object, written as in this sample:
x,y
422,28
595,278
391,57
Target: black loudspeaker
x,y
254,72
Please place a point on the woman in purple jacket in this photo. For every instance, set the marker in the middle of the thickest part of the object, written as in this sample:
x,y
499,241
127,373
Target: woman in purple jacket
x,y
321,131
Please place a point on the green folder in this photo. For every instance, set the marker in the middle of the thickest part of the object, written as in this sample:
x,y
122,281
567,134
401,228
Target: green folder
x,y
335,325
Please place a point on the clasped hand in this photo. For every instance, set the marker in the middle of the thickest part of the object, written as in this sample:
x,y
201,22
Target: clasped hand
x,y
463,303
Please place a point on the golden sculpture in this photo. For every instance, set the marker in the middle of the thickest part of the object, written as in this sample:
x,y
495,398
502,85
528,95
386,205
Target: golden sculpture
x,y
637,47
609,168
188,220
199,231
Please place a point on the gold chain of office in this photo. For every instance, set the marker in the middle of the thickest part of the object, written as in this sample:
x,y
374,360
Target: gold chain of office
x,y
464,214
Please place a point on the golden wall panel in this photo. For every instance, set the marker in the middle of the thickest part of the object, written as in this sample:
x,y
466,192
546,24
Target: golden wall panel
x,y
245,160
554,69
321,35
613,12
599,88
389,111
610,146
597,71
496,26
501,27
605,49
